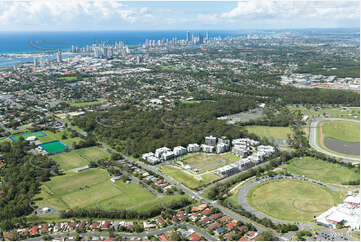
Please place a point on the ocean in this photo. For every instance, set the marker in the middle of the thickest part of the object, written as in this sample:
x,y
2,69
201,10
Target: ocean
x,y
36,42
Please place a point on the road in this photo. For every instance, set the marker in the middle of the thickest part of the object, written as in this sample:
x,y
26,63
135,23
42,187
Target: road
x,y
313,138
131,235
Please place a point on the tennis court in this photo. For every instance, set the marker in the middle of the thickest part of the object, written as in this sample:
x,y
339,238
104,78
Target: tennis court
x,y
54,147
26,135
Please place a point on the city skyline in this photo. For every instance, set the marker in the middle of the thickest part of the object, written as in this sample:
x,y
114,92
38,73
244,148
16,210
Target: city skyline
x,y
85,15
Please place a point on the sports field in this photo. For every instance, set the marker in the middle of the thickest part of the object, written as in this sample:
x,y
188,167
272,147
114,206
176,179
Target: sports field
x,y
341,130
337,135
207,162
269,132
26,135
187,179
90,188
54,147
290,200
80,157
322,171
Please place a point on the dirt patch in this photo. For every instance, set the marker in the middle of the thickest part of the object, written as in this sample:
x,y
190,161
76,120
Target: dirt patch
x,y
348,148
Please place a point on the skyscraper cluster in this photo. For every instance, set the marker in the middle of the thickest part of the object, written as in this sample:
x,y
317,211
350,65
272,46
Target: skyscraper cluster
x,y
191,39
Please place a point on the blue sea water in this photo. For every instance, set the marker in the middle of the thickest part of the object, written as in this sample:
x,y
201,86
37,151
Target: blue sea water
x,y
32,42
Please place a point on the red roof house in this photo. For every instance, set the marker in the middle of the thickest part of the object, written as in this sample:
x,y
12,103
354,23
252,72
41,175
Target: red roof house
x,y
106,225
214,226
195,237
34,230
163,238
207,211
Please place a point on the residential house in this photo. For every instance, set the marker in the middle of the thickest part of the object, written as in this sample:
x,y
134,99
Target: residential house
x,y
195,237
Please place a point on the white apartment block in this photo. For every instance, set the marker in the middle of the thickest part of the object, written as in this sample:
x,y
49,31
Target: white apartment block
x,y
167,155
207,148
193,148
224,140
210,140
240,150
227,170
146,155
179,150
221,148
160,151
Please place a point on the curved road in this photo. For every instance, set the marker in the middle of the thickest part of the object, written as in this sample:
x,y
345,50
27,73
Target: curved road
x,y
313,138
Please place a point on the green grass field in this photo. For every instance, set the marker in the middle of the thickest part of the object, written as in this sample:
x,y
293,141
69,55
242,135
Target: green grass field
x,y
270,132
322,170
70,191
208,162
290,200
80,157
85,104
320,140
341,130
69,78
186,179
51,136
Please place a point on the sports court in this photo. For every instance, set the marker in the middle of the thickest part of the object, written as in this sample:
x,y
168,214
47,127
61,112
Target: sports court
x,y
54,147
26,135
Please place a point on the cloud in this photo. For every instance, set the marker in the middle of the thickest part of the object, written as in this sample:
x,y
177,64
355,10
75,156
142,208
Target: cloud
x,y
50,11
288,9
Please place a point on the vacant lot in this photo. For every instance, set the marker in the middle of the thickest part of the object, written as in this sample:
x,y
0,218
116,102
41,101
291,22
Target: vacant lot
x,y
90,188
270,132
207,162
322,170
80,157
187,179
290,200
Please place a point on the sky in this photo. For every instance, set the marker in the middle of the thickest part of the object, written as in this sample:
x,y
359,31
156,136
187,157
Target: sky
x,y
81,15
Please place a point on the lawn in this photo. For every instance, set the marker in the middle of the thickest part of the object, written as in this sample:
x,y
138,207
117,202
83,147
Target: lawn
x,y
85,104
322,170
270,132
90,188
331,112
69,78
51,136
290,200
80,157
128,196
341,130
186,179
207,162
